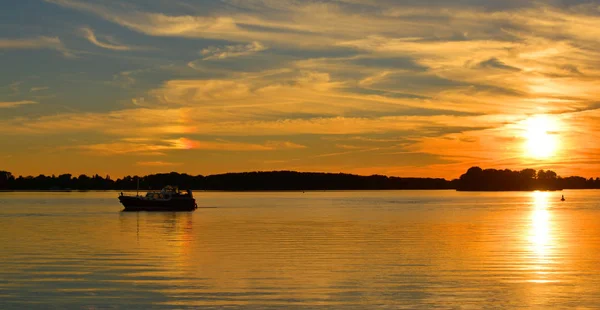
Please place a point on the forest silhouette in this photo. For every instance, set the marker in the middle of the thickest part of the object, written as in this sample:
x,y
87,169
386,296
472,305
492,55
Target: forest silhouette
x,y
475,179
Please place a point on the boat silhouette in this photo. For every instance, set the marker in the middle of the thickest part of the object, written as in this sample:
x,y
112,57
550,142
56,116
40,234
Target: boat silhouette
x,y
170,198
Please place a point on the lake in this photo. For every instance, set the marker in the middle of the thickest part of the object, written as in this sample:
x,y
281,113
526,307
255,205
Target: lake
x,y
294,250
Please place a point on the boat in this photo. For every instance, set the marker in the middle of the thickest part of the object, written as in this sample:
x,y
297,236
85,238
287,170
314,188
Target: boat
x,y
170,198
563,198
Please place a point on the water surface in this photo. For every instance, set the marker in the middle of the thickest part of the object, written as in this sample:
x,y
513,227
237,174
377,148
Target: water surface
x,y
336,250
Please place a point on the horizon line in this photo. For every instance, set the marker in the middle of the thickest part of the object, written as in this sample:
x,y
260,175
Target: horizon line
x,y
294,171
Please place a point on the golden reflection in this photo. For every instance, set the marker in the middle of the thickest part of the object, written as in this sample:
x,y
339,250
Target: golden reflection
x,y
540,226
541,229
540,236
167,233
541,138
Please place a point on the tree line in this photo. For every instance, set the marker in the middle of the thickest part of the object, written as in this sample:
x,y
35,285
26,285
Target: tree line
x,y
245,181
475,179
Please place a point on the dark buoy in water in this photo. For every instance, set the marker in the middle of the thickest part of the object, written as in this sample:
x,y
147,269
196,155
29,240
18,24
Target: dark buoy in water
x,y
563,198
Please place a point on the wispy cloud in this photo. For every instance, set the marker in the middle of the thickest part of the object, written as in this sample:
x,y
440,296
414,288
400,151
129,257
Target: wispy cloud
x,y
275,145
36,43
347,146
14,104
157,164
33,43
89,34
144,122
444,79
37,89
157,23
229,51
15,86
223,145
159,147
186,92
237,27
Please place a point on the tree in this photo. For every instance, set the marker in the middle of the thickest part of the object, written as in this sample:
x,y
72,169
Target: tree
x,y
541,175
5,179
528,174
475,171
64,180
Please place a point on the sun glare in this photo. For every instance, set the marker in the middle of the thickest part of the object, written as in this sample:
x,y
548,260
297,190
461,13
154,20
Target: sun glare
x,y
541,139
541,245
540,229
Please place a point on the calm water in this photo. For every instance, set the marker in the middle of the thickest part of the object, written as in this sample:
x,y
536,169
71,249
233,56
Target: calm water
x,y
337,250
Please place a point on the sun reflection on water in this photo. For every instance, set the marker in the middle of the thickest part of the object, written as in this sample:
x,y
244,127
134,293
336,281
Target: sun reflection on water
x,y
541,240
540,234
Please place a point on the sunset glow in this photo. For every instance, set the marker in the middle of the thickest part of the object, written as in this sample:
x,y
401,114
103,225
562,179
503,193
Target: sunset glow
x,y
212,87
542,242
540,224
542,140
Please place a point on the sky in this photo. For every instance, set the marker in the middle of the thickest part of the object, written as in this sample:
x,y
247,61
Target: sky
x,y
395,87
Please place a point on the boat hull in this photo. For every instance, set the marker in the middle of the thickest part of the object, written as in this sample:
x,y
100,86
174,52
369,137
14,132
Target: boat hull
x,y
141,204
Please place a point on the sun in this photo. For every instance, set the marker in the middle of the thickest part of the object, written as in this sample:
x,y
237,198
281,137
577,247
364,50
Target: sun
x,y
541,140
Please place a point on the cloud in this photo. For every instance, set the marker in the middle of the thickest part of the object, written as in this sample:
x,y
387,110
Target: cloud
x,y
347,146
223,145
195,91
36,43
15,86
328,24
285,102
14,104
495,63
274,95
147,121
229,51
308,28
37,89
284,145
89,34
450,78
158,147
157,24
157,163
143,122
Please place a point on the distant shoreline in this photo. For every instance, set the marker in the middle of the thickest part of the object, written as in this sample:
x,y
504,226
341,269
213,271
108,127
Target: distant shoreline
x,y
474,180
291,191
216,190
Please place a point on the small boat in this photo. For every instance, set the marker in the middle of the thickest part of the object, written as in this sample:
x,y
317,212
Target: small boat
x,y
563,198
167,199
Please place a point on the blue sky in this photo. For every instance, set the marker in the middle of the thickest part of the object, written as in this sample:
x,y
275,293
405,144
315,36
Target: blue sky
x,y
405,88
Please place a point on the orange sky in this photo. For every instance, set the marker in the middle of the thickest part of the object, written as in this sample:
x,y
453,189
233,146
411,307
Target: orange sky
x,y
389,87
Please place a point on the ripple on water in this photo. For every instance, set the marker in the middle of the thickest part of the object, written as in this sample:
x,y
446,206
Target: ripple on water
x,y
359,250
